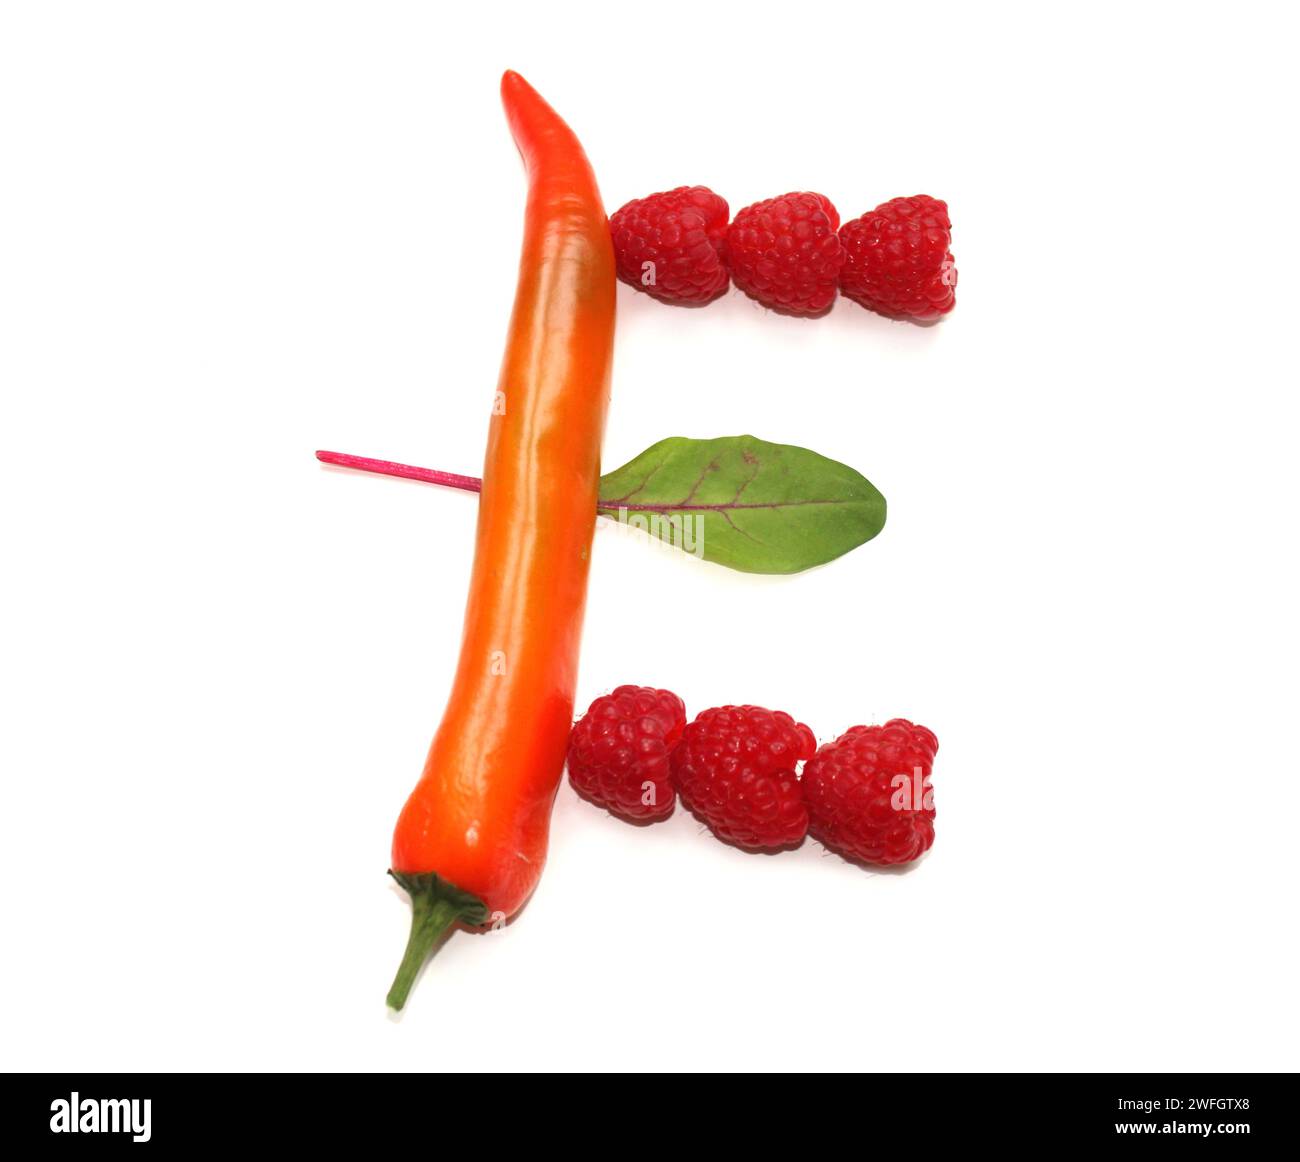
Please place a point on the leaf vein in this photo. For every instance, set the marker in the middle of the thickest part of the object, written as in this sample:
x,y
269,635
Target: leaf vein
x,y
709,467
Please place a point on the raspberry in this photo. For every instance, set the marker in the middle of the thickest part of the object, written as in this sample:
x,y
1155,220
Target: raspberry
x,y
897,259
864,798
680,235
735,769
618,751
785,253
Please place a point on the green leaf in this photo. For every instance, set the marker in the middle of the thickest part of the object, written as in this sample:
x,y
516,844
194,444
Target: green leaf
x,y
745,503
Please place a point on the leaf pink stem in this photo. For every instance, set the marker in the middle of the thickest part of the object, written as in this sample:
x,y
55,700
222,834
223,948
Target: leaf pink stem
x,y
406,471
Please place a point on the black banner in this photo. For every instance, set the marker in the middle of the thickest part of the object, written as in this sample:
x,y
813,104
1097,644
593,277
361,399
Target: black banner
x,y
140,1111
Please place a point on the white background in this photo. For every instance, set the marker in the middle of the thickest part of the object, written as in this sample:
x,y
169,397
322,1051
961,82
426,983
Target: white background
x,y
232,234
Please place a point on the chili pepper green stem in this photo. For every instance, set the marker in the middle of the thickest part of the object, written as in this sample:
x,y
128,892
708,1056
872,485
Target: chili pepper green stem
x,y
430,919
436,907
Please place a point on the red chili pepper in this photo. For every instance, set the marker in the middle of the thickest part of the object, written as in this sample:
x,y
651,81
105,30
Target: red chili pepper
x,y
471,840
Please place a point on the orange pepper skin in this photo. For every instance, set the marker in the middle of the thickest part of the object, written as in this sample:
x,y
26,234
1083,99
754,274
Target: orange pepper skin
x,y
480,816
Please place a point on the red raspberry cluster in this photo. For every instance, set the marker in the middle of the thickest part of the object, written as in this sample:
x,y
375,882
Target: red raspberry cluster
x,y
866,795
618,752
789,253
